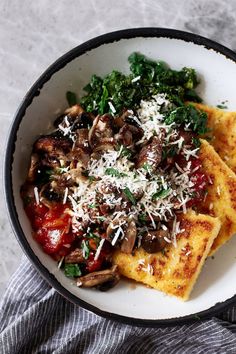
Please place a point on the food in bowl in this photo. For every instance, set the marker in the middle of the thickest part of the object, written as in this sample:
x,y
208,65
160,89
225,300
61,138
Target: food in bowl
x,y
123,184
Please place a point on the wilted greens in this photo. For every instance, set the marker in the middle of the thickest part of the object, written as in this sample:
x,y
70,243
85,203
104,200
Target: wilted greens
x,y
147,78
117,91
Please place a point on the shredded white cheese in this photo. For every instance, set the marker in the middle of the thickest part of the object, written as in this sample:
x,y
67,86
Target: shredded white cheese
x,y
65,195
135,79
112,108
159,194
60,262
36,195
98,251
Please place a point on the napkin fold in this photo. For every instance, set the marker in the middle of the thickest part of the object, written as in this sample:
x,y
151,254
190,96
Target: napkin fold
x,y
34,318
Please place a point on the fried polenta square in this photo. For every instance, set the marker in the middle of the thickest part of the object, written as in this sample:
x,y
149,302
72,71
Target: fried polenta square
x,y
223,133
220,200
175,270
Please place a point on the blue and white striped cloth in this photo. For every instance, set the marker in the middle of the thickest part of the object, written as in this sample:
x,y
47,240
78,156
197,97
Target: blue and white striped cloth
x,y
34,318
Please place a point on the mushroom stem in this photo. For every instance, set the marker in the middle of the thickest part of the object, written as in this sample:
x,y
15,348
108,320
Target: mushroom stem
x,y
100,277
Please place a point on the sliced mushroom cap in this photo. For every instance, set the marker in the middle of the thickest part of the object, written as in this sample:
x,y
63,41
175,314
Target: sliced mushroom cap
x,y
53,150
129,134
101,133
34,165
52,144
150,154
119,121
153,241
82,138
101,277
81,151
76,256
74,111
113,226
129,239
76,117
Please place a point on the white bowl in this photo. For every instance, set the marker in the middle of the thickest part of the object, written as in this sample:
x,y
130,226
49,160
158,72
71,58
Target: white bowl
x,y
138,305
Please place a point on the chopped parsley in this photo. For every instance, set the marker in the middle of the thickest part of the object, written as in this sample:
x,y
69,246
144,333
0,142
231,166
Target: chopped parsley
x,y
114,173
147,167
92,206
122,90
130,195
190,117
91,178
221,106
125,152
196,142
72,270
85,249
101,218
71,98
92,235
161,194
142,218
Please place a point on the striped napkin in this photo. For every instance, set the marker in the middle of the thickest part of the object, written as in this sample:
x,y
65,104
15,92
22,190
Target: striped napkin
x,y
34,318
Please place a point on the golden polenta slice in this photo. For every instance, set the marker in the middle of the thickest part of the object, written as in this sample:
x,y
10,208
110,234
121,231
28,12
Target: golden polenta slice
x,y
176,270
221,198
223,129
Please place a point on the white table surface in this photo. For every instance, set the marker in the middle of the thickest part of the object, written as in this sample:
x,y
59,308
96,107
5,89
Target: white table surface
x,y
35,33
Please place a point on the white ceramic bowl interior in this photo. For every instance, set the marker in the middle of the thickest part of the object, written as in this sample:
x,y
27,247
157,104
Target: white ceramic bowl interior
x,y
217,84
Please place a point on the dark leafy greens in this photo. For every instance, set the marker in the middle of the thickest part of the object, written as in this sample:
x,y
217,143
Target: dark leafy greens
x,y
71,98
147,78
188,115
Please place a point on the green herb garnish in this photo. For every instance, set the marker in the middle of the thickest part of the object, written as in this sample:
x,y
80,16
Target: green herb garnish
x,y
147,167
85,249
72,270
91,178
172,151
154,77
101,218
142,218
221,106
71,98
196,142
114,173
125,152
92,206
161,194
130,195
60,170
195,119
92,235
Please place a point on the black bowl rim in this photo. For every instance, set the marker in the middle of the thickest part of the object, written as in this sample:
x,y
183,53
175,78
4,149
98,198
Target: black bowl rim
x,y
8,190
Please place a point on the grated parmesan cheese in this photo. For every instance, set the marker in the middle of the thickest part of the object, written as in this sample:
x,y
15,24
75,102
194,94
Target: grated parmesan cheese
x,y
142,183
137,78
36,195
65,195
112,108
98,251
60,262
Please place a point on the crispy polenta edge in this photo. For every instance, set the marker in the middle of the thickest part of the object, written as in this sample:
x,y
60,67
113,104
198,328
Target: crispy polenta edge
x,y
174,271
221,197
222,126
